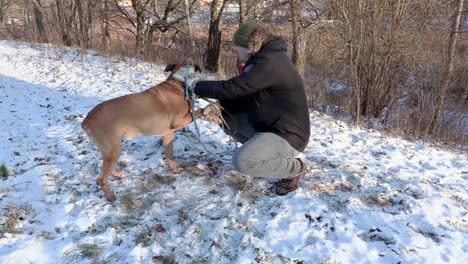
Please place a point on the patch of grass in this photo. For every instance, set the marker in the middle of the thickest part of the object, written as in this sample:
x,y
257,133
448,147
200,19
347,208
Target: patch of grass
x,y
46,235
245,185
148,184
14,215
144,237
163,260
376,200
89,251
4,173
239,182
130,203
164,179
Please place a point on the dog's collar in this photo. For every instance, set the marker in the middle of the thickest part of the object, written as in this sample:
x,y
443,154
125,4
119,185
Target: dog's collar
x,y
176,80
184,73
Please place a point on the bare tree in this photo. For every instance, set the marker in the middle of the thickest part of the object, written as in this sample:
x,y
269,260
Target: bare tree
x,y
4,6
166,17
42,35
453,37
259,10
105,32
242,11
214,36
85,21
139,6
61,23
298,50
371,31
190,31
26,19
147,16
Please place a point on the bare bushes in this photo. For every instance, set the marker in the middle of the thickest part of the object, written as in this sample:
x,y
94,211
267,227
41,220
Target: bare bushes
x,y
384,61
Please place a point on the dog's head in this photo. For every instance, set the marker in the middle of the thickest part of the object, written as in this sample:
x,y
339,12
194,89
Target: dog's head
x,y
175,67
177,71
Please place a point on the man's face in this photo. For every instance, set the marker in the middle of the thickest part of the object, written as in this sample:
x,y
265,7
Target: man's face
x,y
242,53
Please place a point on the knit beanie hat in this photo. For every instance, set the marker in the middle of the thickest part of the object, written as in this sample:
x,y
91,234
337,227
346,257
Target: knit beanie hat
x,y
243,33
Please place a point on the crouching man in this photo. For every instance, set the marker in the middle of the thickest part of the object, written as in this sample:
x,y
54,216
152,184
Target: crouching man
x,y
265,108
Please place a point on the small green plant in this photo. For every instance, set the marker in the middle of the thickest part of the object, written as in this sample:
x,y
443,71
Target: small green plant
x,y
4,173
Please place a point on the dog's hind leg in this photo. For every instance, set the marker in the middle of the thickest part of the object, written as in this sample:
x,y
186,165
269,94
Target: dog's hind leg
x,y
111,156
168,149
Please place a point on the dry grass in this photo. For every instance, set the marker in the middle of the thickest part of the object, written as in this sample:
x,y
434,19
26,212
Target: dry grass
x,y
130,203
163,260
14,215
244,185
376,200
89,251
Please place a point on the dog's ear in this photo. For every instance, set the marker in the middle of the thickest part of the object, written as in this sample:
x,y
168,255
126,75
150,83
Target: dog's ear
x,y
170,68
197,68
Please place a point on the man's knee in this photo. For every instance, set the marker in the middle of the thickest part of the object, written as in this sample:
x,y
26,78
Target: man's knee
x,y
242,163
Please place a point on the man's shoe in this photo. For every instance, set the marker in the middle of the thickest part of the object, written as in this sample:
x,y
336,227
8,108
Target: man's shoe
x,y
286,186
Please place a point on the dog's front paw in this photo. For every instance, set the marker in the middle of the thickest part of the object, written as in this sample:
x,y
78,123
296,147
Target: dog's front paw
x,y
176,170
118,174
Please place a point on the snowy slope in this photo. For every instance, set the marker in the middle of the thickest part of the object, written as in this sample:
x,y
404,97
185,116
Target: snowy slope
x,y
367,198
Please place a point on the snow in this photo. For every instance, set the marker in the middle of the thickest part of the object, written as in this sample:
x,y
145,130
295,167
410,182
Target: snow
x,y
366,198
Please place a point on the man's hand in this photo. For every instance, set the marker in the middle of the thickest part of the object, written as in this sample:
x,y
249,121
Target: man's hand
x,y
186,74
212,113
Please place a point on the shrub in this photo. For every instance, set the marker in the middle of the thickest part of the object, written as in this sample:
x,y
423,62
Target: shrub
x,y
4,173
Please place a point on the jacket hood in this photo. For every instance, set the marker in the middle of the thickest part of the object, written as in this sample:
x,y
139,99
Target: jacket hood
x,y
273,44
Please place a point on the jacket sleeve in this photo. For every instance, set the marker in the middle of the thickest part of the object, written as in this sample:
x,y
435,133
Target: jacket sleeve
x,y
235,106
246,83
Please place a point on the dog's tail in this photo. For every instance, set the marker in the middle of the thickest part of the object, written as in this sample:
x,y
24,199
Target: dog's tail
x,y
85,125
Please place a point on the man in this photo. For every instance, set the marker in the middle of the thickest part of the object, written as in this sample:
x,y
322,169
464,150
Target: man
x,y
265,108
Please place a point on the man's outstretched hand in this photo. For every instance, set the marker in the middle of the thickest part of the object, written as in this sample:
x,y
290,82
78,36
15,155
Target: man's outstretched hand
x,y
212,113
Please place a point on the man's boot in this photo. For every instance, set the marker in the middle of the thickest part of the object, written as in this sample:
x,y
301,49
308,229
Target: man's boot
x,y
286,186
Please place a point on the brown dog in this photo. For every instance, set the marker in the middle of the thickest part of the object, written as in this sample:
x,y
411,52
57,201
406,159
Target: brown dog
x,y
160,110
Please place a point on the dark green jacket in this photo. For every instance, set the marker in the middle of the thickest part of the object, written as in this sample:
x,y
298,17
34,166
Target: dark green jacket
x,y
270,90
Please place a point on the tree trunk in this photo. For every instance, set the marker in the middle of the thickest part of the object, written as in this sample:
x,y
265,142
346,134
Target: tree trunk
x,y
26,12
89,23
26,22
455,30
84,21
298,52
42,35
152,27
105,36
81,24
214,38
2,5
140,28
195,53
62,24
242,10
140,34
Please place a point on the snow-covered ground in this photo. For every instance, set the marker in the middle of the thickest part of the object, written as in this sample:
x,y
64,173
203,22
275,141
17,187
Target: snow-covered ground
x,y
367,198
